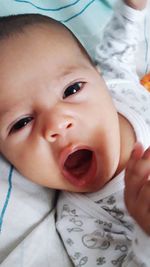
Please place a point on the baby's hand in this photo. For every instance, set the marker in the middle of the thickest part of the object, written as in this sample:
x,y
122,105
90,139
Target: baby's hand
x,y
137,186
136,4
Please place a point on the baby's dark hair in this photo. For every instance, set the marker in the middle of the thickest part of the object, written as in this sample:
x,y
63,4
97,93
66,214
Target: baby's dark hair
x,y
16,24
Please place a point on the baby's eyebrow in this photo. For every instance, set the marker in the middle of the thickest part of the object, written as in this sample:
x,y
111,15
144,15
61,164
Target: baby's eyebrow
x,y
6,112
3,113
72,69
68,71
9,107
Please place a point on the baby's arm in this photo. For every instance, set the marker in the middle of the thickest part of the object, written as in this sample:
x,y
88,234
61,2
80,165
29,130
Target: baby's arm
x,y
137,187
115,55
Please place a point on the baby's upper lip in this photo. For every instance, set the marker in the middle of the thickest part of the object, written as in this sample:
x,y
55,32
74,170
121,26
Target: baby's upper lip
x,y
71,164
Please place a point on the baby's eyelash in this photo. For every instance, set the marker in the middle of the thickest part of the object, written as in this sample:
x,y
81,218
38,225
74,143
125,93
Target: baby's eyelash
x,y
20,124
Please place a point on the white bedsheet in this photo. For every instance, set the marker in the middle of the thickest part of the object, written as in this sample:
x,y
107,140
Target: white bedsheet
x,y
28,236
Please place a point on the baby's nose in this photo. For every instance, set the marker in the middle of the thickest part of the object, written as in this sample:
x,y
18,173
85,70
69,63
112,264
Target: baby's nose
x,y
58,128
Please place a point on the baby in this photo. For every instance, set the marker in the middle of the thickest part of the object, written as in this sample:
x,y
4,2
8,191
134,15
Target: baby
x,y
62,128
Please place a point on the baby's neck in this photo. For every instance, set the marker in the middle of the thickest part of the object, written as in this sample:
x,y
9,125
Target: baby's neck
x,y
127,141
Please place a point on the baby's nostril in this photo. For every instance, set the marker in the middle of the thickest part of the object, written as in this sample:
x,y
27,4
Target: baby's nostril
x,y
69,125
54,135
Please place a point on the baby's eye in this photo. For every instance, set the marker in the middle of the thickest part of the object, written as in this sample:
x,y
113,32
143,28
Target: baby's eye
x,y
73,89
20,124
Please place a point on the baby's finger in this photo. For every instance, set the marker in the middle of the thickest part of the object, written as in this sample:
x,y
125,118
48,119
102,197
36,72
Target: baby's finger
x,y
141,212
146,154
132,188
136,174
143,198
132,174
141,166
136,154
136,192
134,181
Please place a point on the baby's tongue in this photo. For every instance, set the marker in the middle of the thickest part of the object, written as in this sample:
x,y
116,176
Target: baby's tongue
x,y
78,163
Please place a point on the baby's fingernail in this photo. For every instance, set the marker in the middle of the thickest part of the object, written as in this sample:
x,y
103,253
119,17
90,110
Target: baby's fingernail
x,y
147,153
148,179
137,151
133,153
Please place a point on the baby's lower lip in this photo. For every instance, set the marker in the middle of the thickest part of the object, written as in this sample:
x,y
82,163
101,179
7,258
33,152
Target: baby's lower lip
x,y
84,175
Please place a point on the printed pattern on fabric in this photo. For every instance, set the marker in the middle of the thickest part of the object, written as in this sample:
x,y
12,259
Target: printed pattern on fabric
x,y
96,237
83,6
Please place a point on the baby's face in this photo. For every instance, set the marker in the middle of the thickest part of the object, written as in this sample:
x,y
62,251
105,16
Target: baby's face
x,y
58,125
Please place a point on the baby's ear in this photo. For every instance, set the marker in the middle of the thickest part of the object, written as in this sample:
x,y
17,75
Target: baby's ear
x,y
97,67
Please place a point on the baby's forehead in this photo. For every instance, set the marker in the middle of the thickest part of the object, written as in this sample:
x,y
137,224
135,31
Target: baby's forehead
x,y
39,53
18,25
39,49
13,27
15,24
53,33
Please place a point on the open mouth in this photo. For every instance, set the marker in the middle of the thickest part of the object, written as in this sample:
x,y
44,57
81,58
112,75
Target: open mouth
x,y
79,167
79,162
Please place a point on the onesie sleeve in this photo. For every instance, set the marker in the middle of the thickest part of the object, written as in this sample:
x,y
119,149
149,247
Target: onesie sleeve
x,y
115,54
